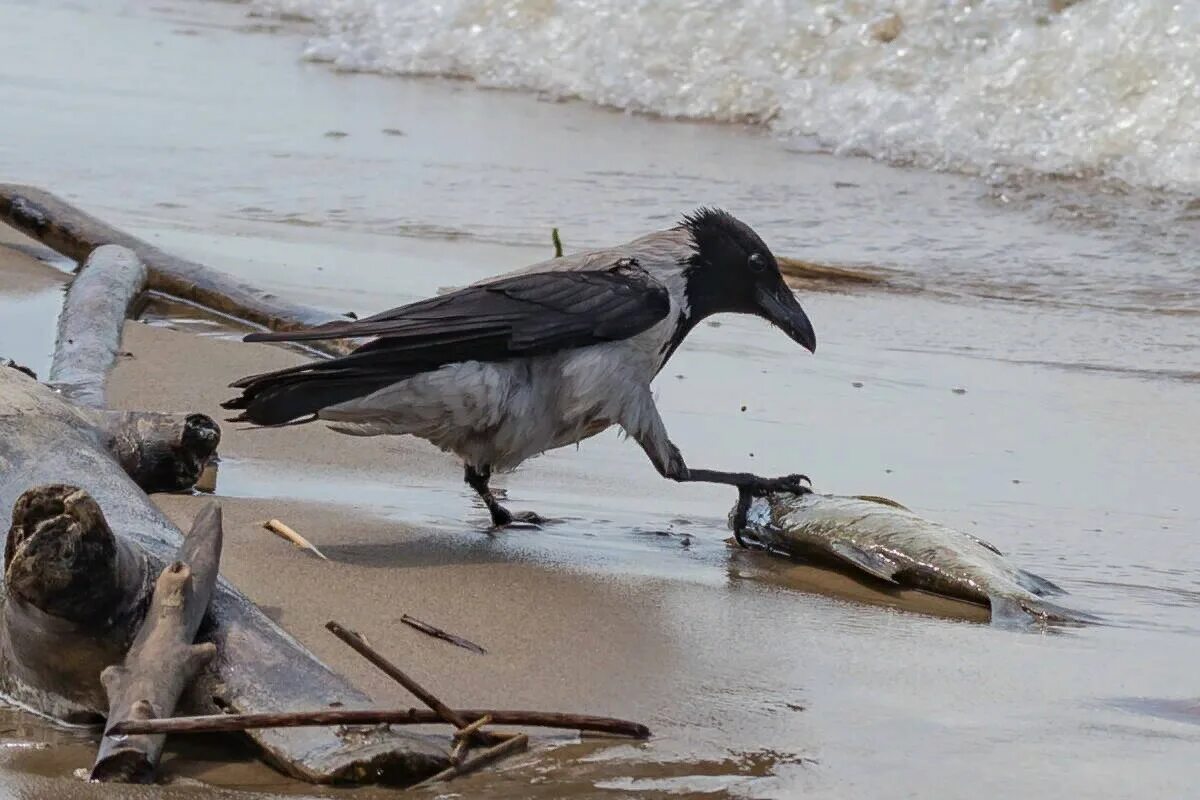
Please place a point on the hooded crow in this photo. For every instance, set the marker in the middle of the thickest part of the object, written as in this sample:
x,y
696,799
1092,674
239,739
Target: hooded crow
x,y
505,369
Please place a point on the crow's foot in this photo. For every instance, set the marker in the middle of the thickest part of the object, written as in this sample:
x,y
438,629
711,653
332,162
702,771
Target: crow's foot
x,y
796,484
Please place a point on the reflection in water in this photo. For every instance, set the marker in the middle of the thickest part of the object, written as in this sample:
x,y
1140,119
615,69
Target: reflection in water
x,y
27,331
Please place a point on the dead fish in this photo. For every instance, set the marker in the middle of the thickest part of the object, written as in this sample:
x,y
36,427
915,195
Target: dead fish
x,y
883,538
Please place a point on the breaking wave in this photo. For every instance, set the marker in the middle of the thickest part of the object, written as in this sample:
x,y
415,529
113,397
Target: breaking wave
x,y
1106,88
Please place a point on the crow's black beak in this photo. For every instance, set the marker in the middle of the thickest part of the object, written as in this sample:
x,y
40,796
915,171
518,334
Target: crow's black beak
x,y
778,306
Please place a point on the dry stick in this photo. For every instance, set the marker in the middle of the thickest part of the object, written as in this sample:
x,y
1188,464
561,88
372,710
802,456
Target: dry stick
x,y
461,748
92,319
163,659
465,733
285,532
227,723
438,633
360,646
445,712
75,233
492,754
462,738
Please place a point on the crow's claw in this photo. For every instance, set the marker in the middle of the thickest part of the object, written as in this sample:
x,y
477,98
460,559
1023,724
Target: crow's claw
x,y
788,483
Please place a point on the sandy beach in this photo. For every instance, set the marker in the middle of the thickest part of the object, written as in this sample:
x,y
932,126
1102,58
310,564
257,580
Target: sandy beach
x,y
1032,380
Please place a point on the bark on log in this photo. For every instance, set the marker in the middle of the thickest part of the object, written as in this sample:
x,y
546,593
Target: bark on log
x,y
89,326
163,659
74,233
258,667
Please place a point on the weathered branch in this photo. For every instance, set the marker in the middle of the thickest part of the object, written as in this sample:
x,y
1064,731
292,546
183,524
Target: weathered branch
x,y
161,452
438,633
75,234
60,555
51,659
163,659
493,754
224,723
72,591
448,715
90,324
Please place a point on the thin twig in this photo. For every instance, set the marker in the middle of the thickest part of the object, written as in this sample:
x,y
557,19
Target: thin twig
x,y
445,712
284,532
558,250
462,739
507,747
460,750
438,633
227,723
465,733
360,646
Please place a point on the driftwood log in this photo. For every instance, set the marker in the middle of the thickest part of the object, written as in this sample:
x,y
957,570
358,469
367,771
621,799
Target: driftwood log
x,y
75,233
163,659
51,657
89,327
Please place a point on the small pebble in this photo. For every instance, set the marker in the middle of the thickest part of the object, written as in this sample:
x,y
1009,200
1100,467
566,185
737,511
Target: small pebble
x,y
743,408
959,390
393,132
1016,480
857,384
886,28
335,134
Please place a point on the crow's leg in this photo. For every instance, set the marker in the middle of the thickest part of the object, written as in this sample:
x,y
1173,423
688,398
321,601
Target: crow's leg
x,y
754,484
647,428
478,479
739,514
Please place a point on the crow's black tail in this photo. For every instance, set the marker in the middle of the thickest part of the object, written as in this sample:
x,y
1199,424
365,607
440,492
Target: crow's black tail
x,y
290,395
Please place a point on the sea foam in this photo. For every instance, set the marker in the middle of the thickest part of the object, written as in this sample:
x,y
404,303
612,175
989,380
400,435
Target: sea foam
x,y
1106,88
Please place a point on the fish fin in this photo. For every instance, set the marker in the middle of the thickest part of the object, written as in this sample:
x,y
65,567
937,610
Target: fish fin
x,y
874,498
881,567
988,545
1038,585
1020,611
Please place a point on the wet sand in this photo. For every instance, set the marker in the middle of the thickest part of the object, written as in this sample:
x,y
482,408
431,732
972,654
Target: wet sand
x,y
1073,447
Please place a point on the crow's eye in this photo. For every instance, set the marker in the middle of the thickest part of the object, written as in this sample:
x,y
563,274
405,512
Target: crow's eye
x,y
757,262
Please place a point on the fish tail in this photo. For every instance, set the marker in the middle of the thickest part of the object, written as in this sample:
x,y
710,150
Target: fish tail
x,y
1019,610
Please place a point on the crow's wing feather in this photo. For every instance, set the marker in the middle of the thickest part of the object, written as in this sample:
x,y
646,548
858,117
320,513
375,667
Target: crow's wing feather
x,y
525,315
623,301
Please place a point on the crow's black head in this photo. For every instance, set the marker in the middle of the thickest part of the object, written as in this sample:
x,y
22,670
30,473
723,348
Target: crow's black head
x,y
733,270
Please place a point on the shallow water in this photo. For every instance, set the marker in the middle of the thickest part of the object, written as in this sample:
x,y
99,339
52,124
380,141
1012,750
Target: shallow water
x,y
1105,87
1066,311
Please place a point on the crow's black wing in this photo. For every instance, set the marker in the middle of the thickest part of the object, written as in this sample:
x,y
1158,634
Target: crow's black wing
x,y
525,315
